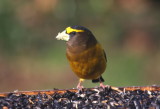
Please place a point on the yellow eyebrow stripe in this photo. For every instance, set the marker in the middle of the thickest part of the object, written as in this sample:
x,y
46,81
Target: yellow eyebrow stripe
x,y
69,30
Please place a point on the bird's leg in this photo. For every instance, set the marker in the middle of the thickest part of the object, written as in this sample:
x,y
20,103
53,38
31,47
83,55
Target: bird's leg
x,y
79,86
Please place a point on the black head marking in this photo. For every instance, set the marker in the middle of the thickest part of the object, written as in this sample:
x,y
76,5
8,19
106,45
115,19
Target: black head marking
x,y
78,27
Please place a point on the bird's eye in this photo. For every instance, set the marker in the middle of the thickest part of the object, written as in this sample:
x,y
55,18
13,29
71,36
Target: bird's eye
x,y
72,33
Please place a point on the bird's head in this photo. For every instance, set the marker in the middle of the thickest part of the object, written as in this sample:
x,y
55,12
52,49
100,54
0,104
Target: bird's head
x,y
72,31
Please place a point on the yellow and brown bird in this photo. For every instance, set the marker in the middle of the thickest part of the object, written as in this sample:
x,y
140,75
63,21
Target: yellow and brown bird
x,y
85,55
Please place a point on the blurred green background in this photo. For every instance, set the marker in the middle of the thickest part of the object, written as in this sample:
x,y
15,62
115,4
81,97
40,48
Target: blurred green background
x,y
32,59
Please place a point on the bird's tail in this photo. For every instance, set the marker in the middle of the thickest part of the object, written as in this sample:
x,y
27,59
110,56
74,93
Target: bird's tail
x,y
100,79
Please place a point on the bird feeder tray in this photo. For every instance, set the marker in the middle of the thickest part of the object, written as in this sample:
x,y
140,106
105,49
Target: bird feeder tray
x,y
111,97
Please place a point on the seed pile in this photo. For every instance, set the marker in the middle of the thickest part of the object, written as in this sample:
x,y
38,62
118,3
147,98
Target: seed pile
x,y
84,99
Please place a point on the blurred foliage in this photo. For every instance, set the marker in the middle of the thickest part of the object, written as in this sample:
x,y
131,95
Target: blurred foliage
x,y
32,59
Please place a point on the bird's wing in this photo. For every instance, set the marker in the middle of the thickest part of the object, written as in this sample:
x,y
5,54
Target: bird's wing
x,y
105,55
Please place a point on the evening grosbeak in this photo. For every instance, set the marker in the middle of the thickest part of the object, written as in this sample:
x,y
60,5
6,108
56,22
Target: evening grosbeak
x,y
84,53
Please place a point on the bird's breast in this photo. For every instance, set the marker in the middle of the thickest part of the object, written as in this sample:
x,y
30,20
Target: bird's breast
x,y
89,63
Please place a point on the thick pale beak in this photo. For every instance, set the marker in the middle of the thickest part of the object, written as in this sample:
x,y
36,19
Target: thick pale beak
x,y
63,36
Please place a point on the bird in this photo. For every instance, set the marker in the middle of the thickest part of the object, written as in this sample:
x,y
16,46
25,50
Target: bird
x,y
85,54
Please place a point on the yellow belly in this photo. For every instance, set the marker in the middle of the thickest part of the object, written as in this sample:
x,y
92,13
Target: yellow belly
x,y
89,64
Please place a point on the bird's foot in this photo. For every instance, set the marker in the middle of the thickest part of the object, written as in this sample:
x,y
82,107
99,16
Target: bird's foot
x,y
104,86
80,87
110,87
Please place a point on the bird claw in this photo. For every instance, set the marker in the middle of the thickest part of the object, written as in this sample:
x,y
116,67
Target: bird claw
x,y
80,87
109,87
105,86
